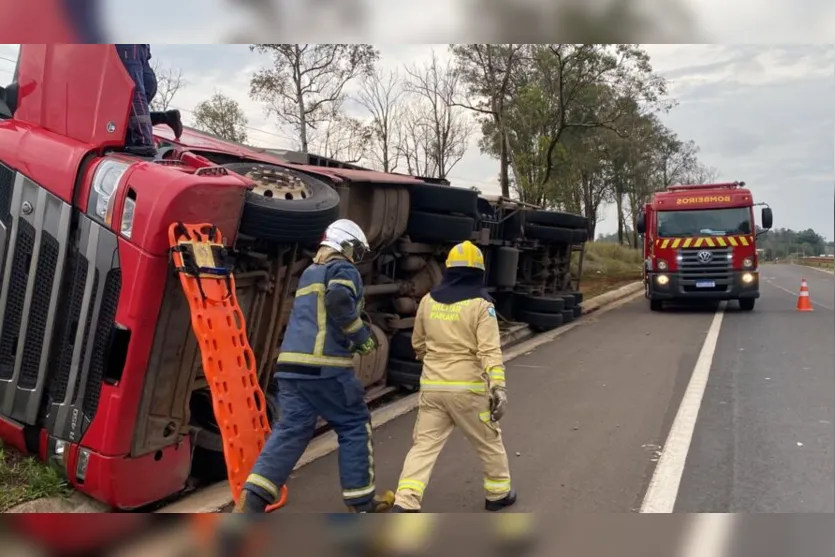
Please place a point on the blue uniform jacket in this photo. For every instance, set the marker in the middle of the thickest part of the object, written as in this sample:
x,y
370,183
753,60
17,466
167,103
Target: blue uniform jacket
x,y
325,321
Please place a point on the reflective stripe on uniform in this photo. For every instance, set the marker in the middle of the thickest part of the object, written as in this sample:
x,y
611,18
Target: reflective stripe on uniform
x,y
496,373
263,483
484,416
357,493
344,282
476,387
354,326
496,486
413,485
315,359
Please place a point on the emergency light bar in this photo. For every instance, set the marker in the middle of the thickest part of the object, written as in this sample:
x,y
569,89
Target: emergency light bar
x,y
724,185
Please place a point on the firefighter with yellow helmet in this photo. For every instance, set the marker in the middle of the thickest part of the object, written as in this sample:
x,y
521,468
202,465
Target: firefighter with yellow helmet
x,y
456,336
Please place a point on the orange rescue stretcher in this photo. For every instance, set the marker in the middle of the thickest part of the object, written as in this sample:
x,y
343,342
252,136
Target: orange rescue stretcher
x,y
199,257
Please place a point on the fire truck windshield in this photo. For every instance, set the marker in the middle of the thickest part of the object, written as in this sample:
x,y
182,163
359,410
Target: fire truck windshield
x,y
704,222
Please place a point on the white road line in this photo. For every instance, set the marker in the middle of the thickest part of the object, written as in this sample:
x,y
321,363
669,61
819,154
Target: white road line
x,y
663,488
709,535
814,303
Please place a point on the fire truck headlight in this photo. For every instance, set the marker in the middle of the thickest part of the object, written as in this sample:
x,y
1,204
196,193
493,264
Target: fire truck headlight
x,y
106,181
662,280
128,210
748,278
748,263
662,265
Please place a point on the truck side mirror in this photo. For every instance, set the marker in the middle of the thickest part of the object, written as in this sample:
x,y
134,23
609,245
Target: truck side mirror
x,y
641,223
767,218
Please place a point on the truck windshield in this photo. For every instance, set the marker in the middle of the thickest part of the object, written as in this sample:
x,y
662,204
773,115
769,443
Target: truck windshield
x,y
704,222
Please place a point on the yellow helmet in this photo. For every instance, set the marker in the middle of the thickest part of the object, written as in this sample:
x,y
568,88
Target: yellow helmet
x,y
465,254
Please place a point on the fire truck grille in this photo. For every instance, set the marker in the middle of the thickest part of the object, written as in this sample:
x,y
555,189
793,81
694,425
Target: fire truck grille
x,y
83,353
13,312
717,268
101,342
6,185
75,290
39,311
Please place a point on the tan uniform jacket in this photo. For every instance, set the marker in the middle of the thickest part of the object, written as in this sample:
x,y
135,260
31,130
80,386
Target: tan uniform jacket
x,y
459,345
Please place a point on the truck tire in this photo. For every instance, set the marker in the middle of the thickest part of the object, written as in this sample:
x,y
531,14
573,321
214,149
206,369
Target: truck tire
x,y
570,301
432,227
551,234
567,315
580,236
208,463
540,321
747,304
557,218
444,199
513,227
404,374
541,304
578,297
401,347
578,311
285,206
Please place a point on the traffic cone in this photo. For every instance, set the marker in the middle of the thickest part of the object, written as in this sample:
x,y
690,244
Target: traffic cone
x,y
804,302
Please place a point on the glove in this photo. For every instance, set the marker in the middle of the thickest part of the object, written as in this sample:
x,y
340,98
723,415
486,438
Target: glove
x,y
498,402
366,347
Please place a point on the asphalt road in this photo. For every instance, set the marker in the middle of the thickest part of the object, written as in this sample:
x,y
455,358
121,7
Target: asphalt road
x,y
589,415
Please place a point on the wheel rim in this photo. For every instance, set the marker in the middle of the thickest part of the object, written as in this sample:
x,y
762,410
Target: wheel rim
x,y
274,182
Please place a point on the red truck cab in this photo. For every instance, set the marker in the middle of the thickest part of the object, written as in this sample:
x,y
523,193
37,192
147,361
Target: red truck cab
x,y
700,244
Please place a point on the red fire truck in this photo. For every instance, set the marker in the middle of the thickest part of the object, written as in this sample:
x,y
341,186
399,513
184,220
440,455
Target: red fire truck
x,y
700,244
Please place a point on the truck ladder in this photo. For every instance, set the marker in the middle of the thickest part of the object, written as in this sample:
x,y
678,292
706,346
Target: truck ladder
x,y
229,365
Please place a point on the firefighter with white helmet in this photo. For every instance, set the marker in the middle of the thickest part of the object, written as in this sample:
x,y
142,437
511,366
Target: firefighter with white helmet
x,y
316,378
456,336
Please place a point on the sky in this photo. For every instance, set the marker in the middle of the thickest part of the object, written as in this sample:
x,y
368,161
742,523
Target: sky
x,y
763,114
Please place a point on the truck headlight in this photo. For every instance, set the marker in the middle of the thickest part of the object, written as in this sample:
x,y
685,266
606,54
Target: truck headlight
x,y
662,280
662,265
128,211
106,181
748,278
748,263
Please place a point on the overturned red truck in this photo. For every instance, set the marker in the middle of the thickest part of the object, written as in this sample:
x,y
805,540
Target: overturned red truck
x,y
99,370
700,244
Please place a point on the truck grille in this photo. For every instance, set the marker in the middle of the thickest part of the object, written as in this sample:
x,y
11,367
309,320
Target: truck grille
x,y
718,268
34,227
88,313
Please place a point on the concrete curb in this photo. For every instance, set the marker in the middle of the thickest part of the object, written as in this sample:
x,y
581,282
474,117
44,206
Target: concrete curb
x,y
827,271
217,497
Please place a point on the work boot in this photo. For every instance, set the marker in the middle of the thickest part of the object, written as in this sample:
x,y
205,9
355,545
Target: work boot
x,y
507,501
171,118
399,509
250,503
379,504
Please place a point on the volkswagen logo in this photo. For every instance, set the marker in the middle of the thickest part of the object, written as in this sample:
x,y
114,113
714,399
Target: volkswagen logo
x,y
704,256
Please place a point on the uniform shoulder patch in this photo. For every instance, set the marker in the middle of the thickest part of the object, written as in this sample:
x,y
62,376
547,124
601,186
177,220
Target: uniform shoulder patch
x,y
491,311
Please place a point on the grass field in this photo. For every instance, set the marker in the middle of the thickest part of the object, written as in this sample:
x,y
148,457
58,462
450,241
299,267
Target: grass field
x,y
24,479
607,267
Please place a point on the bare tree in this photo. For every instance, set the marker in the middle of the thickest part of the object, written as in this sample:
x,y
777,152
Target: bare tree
x,y
305,86
414,143
221,116
342,138
436,88
381,96
487,70
169,81
702,174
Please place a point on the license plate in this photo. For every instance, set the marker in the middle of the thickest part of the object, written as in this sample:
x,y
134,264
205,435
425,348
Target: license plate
x,y
705,284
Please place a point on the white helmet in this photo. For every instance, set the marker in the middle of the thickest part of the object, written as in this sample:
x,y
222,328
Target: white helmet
x,y
346,237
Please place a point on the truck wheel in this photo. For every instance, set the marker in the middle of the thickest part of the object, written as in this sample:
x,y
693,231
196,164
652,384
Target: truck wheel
x,y
401,346
578,311
432,227
208,463
540,321
549,233
285,206
541,304
747,304
567,315
656,305
404,374
557,218
444,199
580,236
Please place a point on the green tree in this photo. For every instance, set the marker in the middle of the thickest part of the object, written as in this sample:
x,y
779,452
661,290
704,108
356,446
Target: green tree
x,y
223,117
